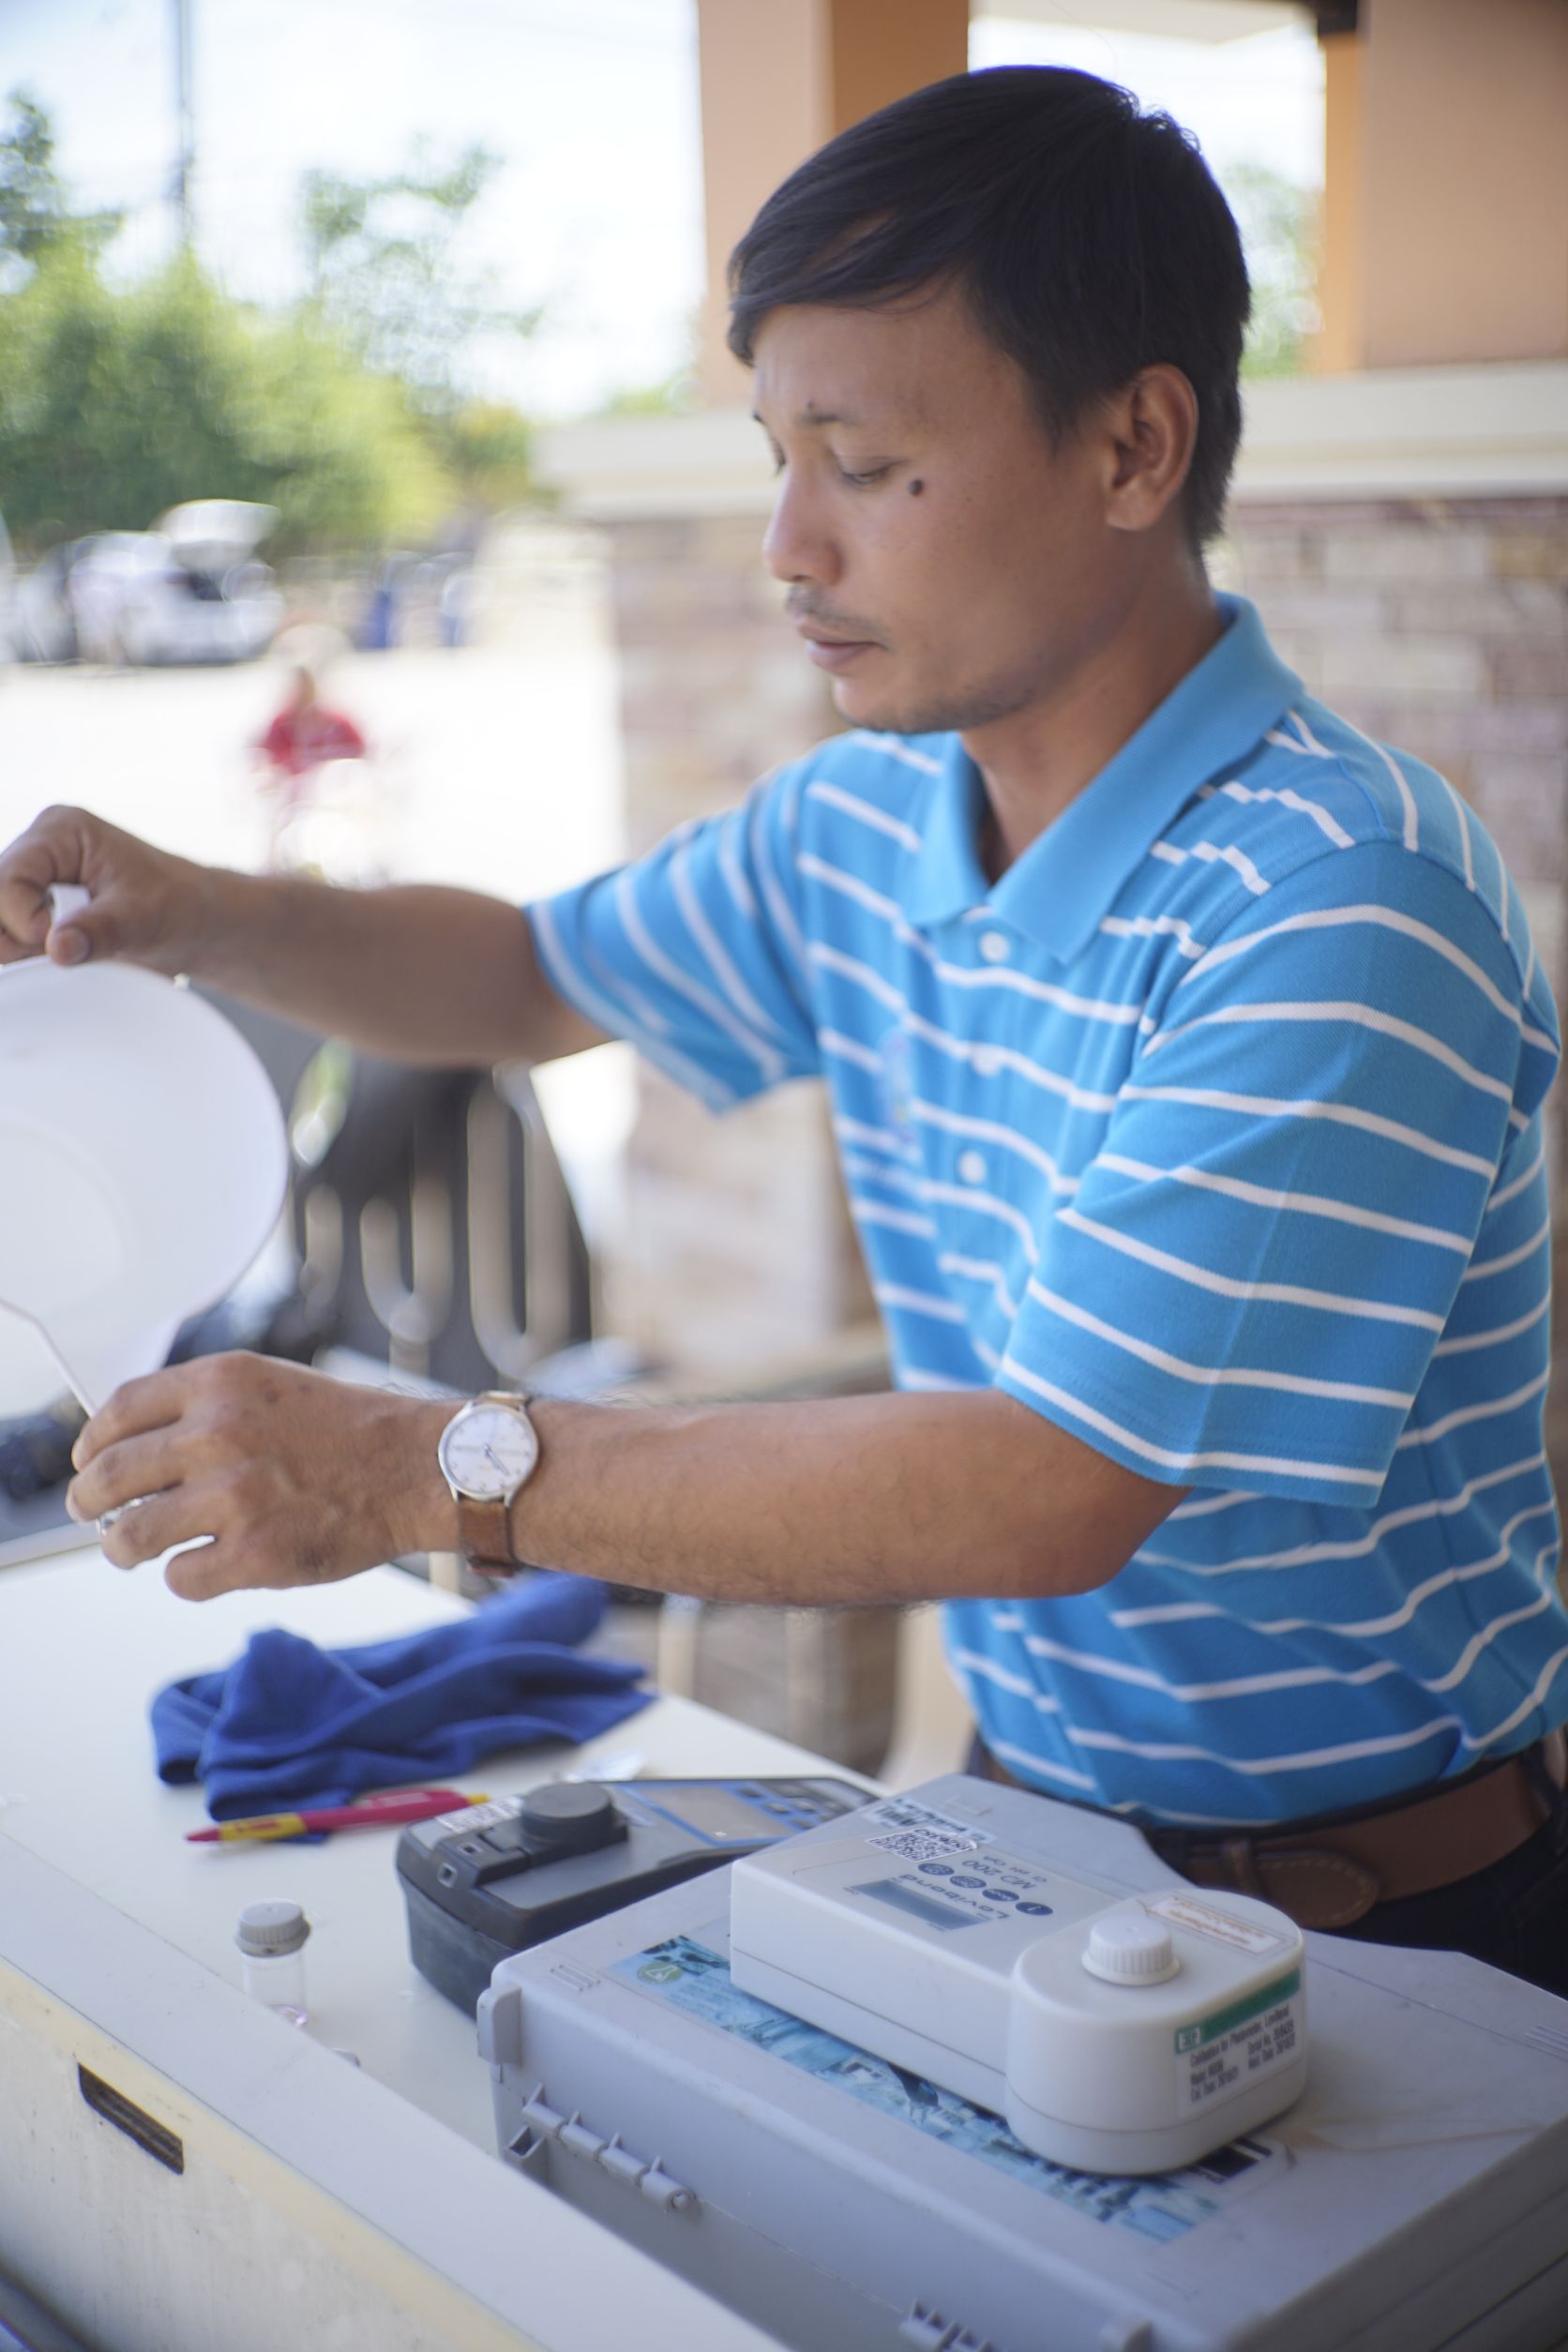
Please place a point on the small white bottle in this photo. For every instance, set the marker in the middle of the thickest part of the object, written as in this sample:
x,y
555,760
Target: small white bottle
x,y
271,1938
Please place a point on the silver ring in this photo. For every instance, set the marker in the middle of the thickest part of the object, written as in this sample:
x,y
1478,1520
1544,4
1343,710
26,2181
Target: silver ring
x,y
117,1511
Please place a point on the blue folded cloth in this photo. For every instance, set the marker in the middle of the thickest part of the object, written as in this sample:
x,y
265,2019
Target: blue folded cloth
x,y
289,1725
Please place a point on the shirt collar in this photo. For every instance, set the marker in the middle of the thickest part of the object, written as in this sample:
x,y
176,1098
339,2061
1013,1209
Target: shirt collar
x,y
1068,879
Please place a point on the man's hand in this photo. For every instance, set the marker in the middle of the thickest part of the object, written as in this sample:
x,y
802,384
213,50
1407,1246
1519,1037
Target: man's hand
x,y
420,973
295,1478
145,904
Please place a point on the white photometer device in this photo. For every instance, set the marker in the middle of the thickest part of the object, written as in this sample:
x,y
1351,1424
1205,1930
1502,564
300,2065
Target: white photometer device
x,y
1116,2033
820,2182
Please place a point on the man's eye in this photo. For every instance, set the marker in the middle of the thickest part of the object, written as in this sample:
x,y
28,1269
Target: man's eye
x,y
864,481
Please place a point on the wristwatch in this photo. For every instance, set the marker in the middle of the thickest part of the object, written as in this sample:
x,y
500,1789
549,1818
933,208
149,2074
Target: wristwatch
x,y
488,1451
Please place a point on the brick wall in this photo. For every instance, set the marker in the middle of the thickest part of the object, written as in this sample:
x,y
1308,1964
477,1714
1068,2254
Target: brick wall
x,y
739,1245
1441,627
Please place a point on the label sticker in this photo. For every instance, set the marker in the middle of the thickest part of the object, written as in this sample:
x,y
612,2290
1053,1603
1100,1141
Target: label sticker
x,y
480,1817
1220,1927
1221,2054
900,1812
924,1844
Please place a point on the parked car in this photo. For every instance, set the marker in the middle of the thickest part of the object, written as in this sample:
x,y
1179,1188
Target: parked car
x,y
43,627
114,577
190,590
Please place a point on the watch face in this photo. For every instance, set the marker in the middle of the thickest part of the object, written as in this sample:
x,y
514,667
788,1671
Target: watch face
x,y
488,1451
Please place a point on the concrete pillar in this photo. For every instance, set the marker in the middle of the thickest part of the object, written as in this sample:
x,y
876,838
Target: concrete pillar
x,y
1446,184
1340,343
780,77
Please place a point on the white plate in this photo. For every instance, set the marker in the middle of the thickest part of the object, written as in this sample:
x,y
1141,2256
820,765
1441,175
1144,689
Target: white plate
x,y
142,1166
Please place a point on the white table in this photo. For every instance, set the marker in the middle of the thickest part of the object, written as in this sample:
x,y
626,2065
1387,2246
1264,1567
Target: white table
x,y
82,1648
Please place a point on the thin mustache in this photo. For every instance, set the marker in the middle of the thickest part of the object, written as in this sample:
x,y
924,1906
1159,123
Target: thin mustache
x,y
803,609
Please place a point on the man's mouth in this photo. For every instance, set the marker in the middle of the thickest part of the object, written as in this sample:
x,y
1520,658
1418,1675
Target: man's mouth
x,y
835,653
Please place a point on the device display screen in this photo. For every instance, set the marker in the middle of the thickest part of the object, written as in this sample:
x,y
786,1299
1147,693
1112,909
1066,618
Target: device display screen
x,y
945,1916
715,1813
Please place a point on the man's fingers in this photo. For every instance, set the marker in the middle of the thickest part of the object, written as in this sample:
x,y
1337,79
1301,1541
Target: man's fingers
x,y
122,1473
156,1401
28,871
210,1569
22,939
151,1525
62,846
91,936
93,932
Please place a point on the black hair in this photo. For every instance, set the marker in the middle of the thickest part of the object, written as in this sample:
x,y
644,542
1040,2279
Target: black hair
x,y
1090,239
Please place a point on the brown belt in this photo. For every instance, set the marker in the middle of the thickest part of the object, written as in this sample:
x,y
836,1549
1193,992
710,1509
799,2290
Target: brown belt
x,y
1331,1871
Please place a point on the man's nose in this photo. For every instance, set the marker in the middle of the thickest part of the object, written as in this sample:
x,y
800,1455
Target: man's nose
x,y
796,546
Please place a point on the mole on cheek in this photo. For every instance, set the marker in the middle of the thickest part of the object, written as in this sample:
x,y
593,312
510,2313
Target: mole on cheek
x,y
915,489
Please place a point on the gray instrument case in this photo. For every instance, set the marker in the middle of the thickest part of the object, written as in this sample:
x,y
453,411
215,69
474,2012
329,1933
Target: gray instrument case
x,y
1414,2200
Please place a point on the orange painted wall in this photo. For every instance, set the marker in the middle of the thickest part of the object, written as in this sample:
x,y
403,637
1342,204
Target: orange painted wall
x,y
1446,213
778,77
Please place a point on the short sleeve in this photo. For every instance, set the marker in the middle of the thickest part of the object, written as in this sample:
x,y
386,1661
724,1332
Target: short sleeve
x,y
1248,1285
695,953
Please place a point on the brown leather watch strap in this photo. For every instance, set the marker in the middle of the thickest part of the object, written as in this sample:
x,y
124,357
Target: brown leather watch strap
x,y
485,1536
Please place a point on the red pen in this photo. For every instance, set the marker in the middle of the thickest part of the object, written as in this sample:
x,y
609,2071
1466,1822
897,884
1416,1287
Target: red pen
x,y
387,1805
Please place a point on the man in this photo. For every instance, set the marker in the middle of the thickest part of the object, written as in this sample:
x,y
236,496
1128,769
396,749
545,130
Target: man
x,y
1187,1049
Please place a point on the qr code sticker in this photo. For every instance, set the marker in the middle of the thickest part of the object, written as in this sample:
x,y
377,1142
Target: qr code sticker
x,y
924,1844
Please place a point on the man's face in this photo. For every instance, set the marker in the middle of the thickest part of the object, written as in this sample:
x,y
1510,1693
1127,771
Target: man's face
x,y
946,565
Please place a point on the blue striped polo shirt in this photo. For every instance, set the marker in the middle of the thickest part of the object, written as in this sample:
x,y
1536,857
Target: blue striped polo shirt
x,y
1210,1132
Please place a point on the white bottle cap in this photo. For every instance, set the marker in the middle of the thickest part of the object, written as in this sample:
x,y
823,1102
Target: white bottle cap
x,y
267,1930
1128,1946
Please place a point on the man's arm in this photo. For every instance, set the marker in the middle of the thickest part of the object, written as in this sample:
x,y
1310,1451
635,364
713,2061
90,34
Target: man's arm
x,y
856,1499
419,973
299,1479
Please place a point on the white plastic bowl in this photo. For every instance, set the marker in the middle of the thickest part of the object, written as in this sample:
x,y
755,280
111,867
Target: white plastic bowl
x,y
142,1166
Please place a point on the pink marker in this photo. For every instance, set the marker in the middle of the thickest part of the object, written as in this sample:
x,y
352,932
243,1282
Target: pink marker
x,y
386,1807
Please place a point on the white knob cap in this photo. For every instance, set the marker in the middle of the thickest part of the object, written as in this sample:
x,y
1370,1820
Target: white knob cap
x,y
1128,1946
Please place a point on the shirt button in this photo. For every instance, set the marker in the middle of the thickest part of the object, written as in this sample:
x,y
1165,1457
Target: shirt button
x,y
995,947
987,1061
971,1166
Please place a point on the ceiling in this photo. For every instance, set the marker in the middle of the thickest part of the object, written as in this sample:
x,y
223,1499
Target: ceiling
x,y
1175,20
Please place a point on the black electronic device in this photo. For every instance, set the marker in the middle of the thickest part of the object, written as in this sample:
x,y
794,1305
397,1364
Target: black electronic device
x,y
481,1884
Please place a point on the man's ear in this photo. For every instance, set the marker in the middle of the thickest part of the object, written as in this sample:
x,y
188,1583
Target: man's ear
x,y
1151,431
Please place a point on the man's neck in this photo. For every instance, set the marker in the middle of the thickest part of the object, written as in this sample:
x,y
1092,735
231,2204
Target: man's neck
x,y
1034,763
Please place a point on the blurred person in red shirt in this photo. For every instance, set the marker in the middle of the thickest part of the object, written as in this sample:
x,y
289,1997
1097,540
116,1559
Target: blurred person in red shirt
x,y
305,734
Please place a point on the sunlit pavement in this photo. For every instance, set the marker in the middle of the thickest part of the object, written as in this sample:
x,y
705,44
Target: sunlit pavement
x,y
492,766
